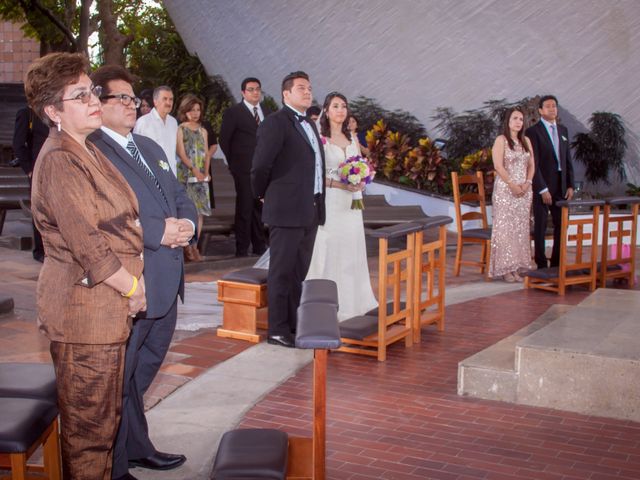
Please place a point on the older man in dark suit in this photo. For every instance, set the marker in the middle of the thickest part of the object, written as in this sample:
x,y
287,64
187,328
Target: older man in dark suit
x,y
288,174
238,142
553,178
168,219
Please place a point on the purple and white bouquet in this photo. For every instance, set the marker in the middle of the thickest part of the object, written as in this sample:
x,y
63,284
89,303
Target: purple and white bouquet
x,y
353,171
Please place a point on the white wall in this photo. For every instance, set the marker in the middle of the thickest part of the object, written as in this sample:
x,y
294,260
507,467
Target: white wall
x,y
422,54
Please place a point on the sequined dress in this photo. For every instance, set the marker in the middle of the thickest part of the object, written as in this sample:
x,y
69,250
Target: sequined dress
x,y
510,237
340,252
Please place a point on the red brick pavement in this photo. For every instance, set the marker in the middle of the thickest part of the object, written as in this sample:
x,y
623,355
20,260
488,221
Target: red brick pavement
x,y
402,419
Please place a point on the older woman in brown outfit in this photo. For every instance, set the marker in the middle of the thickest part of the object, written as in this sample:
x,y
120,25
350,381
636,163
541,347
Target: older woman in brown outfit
x,y
90,285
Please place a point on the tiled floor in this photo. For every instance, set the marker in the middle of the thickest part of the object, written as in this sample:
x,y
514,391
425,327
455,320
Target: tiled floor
x,y
402,419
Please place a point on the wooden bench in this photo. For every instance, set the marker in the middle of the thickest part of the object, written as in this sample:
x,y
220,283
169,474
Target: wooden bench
x,y
244,295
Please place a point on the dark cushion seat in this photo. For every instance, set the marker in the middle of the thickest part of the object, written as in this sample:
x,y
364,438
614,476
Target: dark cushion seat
x,y
622,200
481,233
28,380
254,276
319,291
374,311
360,327
551,272
317,326
252,454
22,421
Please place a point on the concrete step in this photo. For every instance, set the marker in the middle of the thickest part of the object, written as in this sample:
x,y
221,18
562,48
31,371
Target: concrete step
x,y
491,374
583,359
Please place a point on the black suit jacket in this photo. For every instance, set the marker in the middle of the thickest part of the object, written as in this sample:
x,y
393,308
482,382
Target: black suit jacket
x,y
283,171
546,174
163,266
238,136
28,137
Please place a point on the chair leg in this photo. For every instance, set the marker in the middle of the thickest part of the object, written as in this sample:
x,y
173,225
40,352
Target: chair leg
x,y
18,466
456,267
51,449
486,248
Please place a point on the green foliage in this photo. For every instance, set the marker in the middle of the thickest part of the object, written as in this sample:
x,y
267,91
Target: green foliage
x,y
480,161
633,190
392,155
602,149
476,129
369,112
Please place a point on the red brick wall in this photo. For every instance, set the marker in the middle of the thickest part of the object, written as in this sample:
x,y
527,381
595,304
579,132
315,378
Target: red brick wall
x,y
16,53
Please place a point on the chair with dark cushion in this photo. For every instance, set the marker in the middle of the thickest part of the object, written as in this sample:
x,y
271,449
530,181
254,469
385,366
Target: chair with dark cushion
x,y
469,189
578,266
25,425
613,263
244,297
319,291
370,334
28,380
430,270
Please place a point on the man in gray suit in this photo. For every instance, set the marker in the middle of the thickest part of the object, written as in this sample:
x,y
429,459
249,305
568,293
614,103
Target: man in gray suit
x,y
168,219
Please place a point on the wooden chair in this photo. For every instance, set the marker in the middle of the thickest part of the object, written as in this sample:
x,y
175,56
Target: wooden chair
x,y
25,425
430,269
580,268
480,235
613,227
372,333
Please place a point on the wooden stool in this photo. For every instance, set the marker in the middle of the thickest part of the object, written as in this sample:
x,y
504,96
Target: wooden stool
x,y
612,227
25,425
392,321
432,269
244,294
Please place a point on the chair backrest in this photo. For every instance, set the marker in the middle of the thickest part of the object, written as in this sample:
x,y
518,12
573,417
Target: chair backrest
x,y
469,189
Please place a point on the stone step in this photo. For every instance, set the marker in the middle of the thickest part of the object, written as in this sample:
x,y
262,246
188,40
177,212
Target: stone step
x,y
491,374
583,359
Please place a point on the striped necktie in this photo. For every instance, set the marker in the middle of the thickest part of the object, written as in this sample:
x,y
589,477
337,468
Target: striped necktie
x,y
256,116
135,153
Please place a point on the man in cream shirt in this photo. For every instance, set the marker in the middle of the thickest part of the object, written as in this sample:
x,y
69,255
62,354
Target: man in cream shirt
x,y
159,125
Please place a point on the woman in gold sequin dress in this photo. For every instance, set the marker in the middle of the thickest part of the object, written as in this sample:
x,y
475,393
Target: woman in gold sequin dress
x,y
512,194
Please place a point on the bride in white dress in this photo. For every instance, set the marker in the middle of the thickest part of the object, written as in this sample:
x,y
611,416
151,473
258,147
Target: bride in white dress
x,y
339,252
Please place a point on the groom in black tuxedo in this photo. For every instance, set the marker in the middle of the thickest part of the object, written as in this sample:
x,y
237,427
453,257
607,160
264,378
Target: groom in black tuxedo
x,y
288,175
553,179
238,142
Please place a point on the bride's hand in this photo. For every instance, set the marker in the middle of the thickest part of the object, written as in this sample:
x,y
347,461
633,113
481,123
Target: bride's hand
x,y
356,188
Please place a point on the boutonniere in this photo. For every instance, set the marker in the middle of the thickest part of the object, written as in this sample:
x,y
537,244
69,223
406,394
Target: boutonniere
x,y
163,165
324,140
564,138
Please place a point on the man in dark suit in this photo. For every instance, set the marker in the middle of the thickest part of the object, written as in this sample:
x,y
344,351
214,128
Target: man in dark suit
x,y
288,175
553,179
28,137
168,219
238,142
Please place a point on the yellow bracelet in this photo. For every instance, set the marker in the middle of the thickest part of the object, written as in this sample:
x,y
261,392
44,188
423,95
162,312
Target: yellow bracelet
x,y
134,287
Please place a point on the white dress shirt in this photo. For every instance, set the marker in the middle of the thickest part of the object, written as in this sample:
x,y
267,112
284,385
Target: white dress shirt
x,y
163,132
308,129
251,107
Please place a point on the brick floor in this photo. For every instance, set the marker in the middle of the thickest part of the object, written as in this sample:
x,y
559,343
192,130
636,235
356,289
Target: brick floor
x,y
402,419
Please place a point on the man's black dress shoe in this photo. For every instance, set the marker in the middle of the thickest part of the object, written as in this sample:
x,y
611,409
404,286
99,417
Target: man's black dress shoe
x,y
282,340
158,461
128,476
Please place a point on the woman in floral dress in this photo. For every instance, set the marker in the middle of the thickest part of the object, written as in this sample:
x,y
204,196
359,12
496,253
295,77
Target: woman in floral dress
x,y
195,160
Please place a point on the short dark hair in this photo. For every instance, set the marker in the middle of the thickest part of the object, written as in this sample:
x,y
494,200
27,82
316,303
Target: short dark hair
x,y
313,110
108,73
544,98
287,82
47,78
249,80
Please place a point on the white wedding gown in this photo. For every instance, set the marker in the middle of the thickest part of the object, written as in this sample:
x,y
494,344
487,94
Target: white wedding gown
x,y
339,252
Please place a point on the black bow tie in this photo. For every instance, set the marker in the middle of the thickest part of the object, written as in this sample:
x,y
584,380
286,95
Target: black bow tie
x,y
301,118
